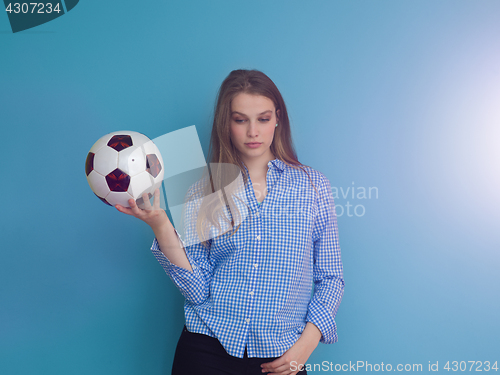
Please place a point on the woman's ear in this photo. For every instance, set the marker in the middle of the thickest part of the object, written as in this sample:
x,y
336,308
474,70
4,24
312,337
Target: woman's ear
x,y
277,115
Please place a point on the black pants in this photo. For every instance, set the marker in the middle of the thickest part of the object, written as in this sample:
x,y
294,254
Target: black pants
x,y
198,354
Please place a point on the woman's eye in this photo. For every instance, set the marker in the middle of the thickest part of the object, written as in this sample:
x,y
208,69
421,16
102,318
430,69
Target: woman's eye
x,y
238,121
265,119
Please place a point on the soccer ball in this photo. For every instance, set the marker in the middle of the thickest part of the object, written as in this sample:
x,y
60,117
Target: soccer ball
x,y
123,165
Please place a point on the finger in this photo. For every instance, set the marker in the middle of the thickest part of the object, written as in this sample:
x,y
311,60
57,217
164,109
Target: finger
x,y
278,366
283,369
147,203
125,210
136,211
156,200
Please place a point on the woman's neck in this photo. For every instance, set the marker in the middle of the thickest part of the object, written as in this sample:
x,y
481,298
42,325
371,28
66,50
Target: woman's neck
x,y
257,167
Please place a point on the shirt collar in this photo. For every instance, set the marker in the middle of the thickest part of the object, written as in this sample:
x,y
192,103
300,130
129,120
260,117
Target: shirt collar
x,y
278,164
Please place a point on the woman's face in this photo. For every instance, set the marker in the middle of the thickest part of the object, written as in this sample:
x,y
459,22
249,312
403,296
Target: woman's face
x,y
253,121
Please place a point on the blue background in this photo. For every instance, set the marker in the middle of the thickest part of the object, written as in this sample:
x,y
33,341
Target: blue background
x,y
398,95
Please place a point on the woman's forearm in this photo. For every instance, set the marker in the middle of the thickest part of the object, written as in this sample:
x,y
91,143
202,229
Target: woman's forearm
x,y
170,245
311,334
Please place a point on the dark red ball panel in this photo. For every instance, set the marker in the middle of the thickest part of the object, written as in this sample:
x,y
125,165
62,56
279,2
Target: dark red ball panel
x,y
118,180
153,165
104,200
89,163
120,142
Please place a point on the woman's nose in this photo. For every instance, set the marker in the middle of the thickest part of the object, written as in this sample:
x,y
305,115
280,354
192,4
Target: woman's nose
x,y
252,128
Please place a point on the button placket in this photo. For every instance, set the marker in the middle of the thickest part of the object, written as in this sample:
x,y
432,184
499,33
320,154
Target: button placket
x,y
253,279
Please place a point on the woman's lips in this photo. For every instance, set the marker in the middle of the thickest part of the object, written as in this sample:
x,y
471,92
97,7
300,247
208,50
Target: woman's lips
x,y
253,144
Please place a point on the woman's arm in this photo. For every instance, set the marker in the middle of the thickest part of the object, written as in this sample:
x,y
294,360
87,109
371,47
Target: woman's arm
x,y
327,268
163,229
328,290
170,245
190,273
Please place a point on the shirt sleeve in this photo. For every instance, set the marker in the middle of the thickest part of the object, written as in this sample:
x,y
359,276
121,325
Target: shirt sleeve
x,y
327,269
195,285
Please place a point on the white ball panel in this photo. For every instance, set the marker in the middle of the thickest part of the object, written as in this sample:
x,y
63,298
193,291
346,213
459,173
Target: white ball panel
x,y
156,185
150,148
98,184
123,132
138,139
132,160
140,184
159,178
106,160
120,198
100,143
162,172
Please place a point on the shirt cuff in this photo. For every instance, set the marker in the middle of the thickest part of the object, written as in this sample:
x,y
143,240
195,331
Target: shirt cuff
x,y
190,283
167,265
321,318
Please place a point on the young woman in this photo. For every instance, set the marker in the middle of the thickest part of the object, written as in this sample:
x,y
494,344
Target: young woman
x,y
248,306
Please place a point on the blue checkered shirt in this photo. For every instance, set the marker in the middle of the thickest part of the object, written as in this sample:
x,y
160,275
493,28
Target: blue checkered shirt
x,y
281,269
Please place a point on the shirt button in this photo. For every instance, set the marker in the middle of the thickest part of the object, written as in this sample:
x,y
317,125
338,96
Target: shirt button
x,y
257,213
255,265
258,237
251,293
247,320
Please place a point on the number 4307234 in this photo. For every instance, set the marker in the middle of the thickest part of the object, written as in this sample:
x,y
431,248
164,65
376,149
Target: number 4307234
x,y
474,366
35,8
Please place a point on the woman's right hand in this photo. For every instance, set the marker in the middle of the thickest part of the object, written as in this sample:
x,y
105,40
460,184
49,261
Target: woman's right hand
x,y
166,235
153,215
